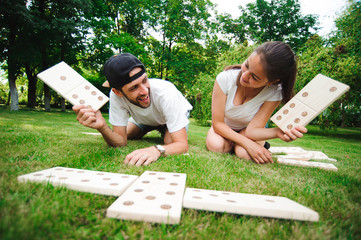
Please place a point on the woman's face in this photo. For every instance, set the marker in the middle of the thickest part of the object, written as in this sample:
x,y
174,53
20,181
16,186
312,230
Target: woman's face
x,y
253,74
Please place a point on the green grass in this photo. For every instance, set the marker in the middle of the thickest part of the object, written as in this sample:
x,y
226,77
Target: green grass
x,y
36,140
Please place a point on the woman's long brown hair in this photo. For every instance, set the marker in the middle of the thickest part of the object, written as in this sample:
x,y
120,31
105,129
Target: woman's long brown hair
x,y
280,65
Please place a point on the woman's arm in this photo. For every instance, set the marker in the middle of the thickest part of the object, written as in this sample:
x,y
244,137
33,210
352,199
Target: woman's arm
x,y
256,128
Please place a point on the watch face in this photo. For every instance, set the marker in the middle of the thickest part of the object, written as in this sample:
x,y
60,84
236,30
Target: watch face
x,y
161,149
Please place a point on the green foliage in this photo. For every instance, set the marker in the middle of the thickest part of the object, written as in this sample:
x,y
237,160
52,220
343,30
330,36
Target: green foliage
x,y
201,92
277,20
200,96
4,92
232,29
349,27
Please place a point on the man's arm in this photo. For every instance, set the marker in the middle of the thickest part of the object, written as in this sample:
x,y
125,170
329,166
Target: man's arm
x,y
87,117
116,137
178,144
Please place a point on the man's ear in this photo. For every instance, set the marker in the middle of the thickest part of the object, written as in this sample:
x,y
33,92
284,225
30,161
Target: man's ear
x,y
117,92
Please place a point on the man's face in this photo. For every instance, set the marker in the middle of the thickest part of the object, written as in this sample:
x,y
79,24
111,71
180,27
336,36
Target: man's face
x,y
137,91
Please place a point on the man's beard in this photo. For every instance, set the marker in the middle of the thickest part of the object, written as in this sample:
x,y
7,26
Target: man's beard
x,y
136,102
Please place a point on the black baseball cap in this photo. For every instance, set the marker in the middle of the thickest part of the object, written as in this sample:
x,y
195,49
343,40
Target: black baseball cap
x,y
117,68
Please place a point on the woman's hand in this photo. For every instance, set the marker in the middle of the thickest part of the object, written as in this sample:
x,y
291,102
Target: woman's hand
x,y
258,153
291,135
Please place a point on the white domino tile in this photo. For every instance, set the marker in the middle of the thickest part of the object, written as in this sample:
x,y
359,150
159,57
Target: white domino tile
x,y
318,155
72,86
303,157
294,113
153,197
247,204
326,166
287,150
97,182
320,92
308,103
92,133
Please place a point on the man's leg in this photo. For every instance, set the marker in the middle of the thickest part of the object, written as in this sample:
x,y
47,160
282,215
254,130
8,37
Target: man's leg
x,y
134,132
167,137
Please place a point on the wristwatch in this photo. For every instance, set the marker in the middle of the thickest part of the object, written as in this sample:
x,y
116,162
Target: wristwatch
x,y
160,149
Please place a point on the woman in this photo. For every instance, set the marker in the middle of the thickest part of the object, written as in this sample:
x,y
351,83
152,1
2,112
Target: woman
x,y
244,98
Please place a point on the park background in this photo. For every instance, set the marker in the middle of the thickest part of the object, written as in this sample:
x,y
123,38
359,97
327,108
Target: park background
x,y
183,42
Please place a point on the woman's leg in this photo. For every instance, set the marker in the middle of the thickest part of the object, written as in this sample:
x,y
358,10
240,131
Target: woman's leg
x,y
241,152
216,143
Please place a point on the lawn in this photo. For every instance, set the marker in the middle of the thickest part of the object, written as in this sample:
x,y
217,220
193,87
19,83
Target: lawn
x,y
35,140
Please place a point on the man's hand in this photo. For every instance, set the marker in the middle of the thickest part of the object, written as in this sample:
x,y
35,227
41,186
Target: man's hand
x,y
144,156
88,117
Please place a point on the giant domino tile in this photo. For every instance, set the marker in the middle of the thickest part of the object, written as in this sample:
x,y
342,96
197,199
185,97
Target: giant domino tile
x,y
307,104
72,86
247,204
154,197
159,196
98,182
301,163
298,151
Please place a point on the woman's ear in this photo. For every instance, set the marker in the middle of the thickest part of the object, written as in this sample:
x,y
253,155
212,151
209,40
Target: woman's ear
x,y
273,83
117,92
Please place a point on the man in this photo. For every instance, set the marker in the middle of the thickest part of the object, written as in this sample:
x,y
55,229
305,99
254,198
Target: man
x,y
152,104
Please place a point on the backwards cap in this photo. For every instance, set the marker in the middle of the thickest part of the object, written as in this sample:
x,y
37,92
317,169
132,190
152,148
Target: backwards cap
x,y
117,68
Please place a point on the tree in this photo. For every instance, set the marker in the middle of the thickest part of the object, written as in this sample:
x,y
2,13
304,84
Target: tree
x,y
349,27
13,16
117,27
178,22
347,45
56,34
277,20
231,29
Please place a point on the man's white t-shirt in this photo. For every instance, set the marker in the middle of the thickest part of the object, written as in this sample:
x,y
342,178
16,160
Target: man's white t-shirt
x,y
168,106
238,117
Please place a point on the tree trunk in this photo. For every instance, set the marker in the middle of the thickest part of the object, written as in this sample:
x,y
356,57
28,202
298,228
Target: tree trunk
x,y
31,87
62,103
47,98
44,60
13,93
8,101
12,67
162,58
46,87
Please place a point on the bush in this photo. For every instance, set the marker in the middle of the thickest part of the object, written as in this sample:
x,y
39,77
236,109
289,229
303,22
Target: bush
x,y
201,99
200,95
